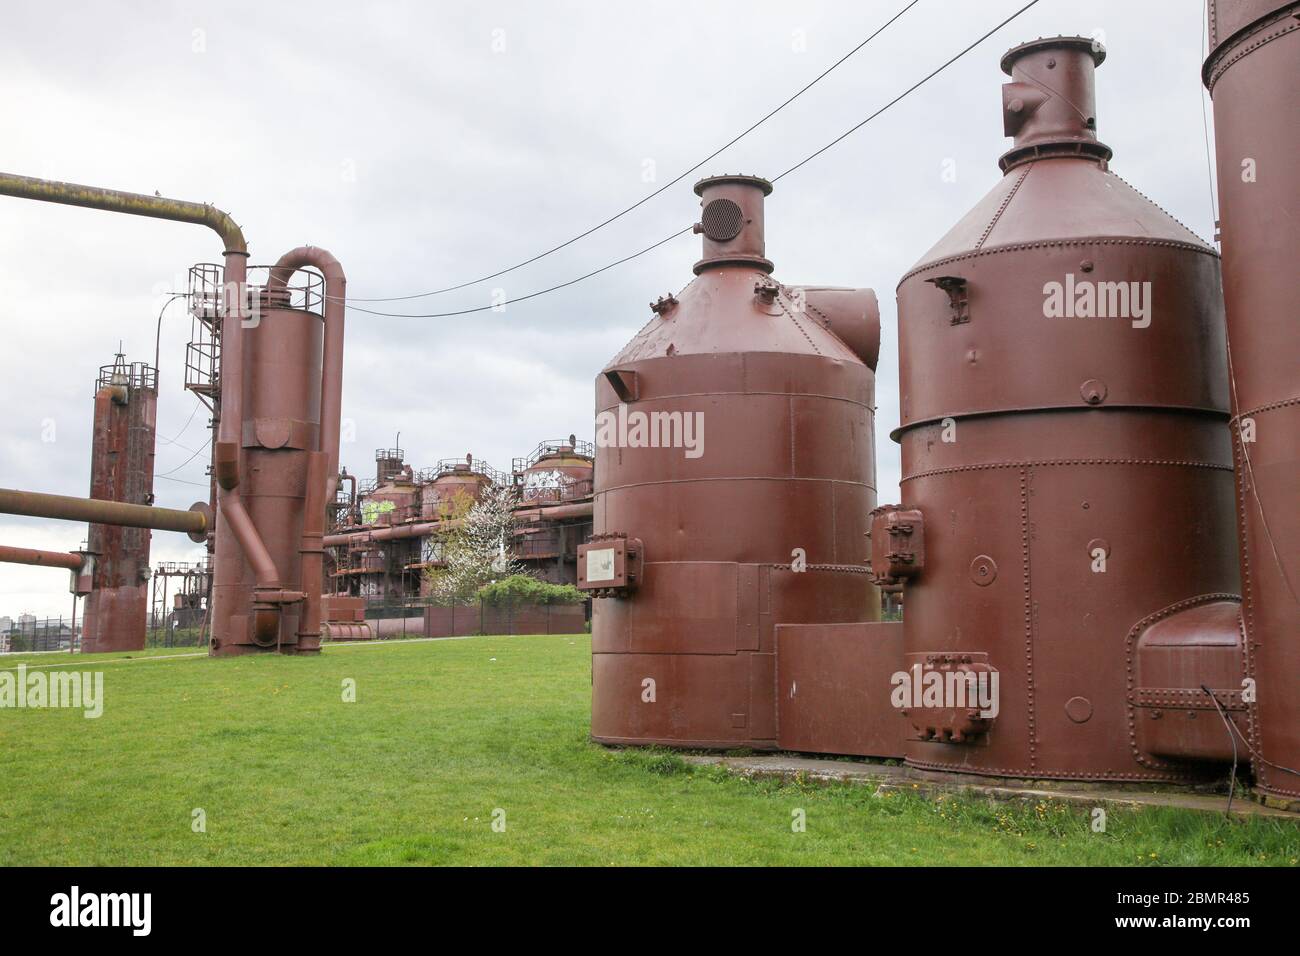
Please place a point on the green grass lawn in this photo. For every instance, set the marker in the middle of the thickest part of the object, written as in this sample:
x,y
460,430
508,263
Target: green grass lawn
x,y
444,733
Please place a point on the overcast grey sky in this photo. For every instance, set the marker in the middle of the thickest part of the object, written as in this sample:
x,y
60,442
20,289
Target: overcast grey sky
x,y
426,144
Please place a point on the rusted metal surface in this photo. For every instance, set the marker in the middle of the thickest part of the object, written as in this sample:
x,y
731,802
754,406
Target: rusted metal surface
x,y
456,486
278,400
757,518
1251,75
1175,659
833,688
553,484
64,507
341,631
281,407
135,204
121,469
1073,471
70,560
277,459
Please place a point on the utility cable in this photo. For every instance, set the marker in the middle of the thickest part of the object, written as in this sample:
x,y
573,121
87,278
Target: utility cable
x,y
668,185
1232,781
498,306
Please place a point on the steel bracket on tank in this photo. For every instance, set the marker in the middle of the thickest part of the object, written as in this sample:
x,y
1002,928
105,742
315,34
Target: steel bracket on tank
x,y
897,538
664,304
950,697
226,464
624,383
609,565
958,298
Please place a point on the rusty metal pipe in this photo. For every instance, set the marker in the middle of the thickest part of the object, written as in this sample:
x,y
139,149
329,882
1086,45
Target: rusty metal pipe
x,y
49,559
583,509
232,506
331,400
133,204
67,508
312,553
352,495
389,534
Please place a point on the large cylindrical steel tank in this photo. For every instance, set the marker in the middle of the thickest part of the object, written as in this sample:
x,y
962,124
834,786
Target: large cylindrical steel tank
x,y
557,470
282,367
121,469
457,484
734,474
1251,73
1064,398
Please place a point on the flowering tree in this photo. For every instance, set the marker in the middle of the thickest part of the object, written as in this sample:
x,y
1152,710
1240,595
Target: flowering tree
x,y
477,551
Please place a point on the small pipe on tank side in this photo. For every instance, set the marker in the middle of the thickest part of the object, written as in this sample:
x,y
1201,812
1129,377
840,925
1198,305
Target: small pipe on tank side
x,y
70,560
232,506
313,552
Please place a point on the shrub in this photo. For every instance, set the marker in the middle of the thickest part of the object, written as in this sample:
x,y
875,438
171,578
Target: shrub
x,y
525,589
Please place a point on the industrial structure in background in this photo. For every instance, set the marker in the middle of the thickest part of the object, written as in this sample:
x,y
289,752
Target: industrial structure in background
x,y
388,533
1066,539
121,469
274,362
178,603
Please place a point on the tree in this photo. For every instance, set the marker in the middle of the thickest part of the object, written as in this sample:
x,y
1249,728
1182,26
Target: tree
x,y
477,551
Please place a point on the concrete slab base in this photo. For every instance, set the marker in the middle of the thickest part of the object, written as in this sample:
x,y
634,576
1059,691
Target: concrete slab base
x,y
895,777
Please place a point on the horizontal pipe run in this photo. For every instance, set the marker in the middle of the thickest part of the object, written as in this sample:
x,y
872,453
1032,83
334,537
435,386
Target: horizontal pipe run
x,y
47,559
95,511
395,532
134,204
582,509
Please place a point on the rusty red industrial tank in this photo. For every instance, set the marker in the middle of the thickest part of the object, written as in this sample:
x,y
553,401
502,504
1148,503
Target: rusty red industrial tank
x,y
121,469
395,496
734,475
1251,74
1067,476
556,470
267,579
456,484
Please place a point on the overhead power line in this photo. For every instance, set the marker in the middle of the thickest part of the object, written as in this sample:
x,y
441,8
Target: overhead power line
x,y
499,306
532,295
915,86
668,185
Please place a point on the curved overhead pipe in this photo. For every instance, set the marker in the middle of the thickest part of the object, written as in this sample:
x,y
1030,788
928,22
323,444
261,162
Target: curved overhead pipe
x,y
133,204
